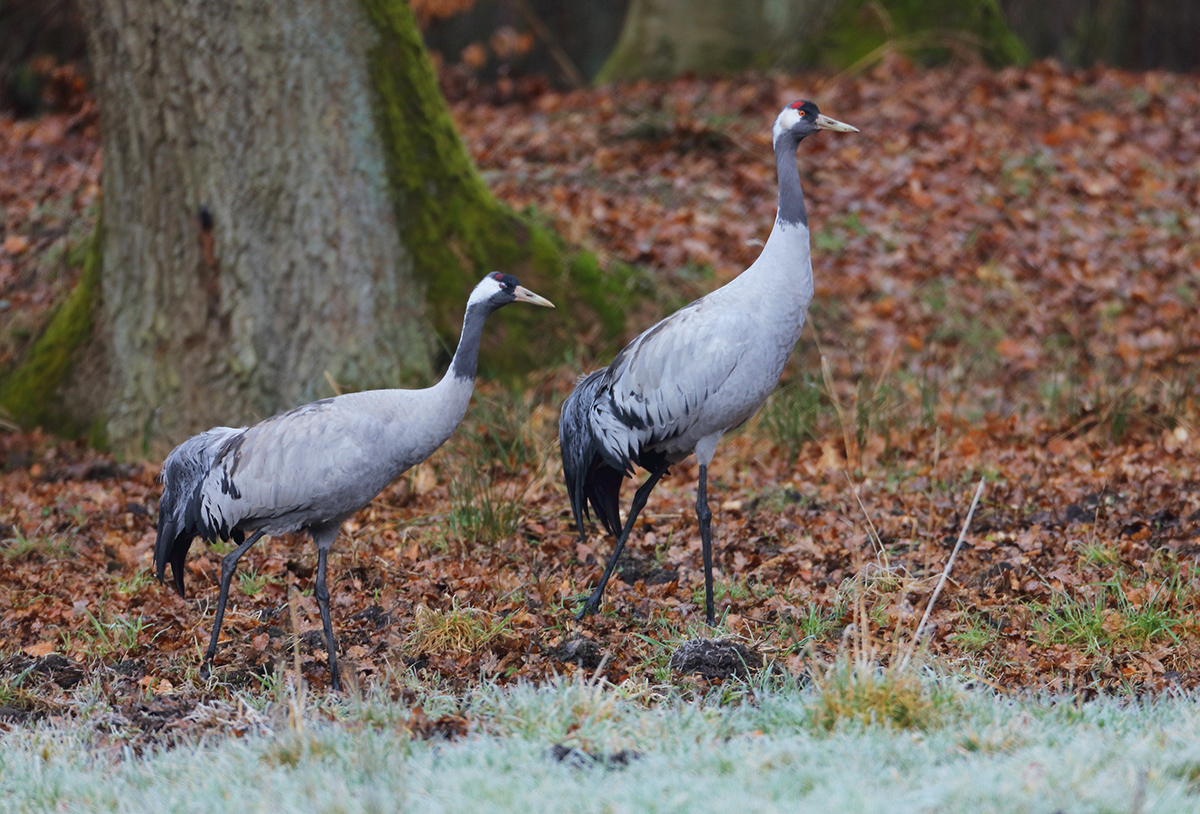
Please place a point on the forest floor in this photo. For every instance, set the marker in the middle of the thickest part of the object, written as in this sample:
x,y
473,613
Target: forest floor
x,y
1007,280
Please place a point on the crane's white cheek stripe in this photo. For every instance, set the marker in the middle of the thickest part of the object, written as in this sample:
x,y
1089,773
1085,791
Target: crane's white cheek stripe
x,y
486,289
786,120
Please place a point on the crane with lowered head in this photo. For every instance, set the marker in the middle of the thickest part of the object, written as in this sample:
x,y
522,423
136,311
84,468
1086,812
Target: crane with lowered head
x,y
310,468
701,372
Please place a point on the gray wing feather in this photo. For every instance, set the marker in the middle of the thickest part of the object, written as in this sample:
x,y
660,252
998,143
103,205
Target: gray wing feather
x,y
659,382
315,464
179,516
587,476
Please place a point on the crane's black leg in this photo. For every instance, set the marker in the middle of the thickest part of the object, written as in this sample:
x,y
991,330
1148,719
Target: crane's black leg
x,y
639,503
704,515
228,566
322,596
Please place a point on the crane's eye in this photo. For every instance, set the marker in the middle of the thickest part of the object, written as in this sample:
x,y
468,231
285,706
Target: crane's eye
x,y
507,281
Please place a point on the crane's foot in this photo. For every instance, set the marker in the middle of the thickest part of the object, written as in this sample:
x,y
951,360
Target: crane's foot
x,y
205,670
589,607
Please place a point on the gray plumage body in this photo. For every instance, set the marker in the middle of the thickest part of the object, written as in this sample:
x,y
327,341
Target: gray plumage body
x,y
701,372
311,468
709,366
308,468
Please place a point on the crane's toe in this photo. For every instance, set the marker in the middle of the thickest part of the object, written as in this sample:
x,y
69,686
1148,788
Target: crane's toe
x,y
589,607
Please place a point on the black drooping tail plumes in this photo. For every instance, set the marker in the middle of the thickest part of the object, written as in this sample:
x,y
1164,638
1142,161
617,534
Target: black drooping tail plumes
x,y
179,518
588,477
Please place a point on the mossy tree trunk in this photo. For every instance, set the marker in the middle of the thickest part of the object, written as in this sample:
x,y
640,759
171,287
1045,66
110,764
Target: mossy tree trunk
x,y
453,225
664,38
283,187
50,387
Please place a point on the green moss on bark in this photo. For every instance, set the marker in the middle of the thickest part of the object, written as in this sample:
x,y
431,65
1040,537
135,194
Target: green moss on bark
x,y
30,392
455,228
932,31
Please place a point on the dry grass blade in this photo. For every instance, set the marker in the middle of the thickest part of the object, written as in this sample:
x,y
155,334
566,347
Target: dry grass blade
x,y
333,384
847,434
7,424
294,613
876,539
297,691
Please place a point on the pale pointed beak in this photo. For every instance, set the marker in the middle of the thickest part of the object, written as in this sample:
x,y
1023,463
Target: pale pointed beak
x,y
826,123
523,294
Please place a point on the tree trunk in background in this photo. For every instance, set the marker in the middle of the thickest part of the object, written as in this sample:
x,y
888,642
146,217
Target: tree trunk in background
x,y
586,30
1126,33
251,246
663,38
286,205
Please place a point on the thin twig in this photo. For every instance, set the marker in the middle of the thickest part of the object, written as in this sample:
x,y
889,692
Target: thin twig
x,y
556,51
874,535
962,535
851,447
600,668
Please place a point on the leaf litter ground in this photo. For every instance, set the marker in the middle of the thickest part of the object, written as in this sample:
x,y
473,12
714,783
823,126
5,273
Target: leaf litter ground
x,y
1006,287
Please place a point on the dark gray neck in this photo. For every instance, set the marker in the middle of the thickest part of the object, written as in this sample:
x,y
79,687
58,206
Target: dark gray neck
x,y
791,199
466,357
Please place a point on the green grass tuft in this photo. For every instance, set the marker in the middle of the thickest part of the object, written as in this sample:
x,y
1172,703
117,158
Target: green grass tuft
x,y
252,582
792,414
21,546
482,508
105,635
856,690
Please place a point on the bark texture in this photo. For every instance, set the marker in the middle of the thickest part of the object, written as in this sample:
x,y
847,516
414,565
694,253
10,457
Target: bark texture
x,y
252,251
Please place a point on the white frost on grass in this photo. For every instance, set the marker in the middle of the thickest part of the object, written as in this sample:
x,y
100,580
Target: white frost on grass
x,y
991,755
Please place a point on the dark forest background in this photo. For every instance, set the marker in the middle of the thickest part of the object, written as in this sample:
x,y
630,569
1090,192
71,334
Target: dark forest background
x,y
567,44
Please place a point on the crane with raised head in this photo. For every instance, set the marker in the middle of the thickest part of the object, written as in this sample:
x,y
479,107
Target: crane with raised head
x,y
310,468
701,372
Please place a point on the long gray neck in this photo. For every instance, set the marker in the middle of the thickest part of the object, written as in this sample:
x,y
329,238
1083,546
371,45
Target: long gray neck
x,y
466,356
785,266
791,199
